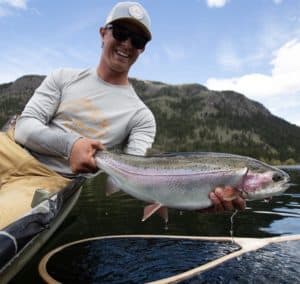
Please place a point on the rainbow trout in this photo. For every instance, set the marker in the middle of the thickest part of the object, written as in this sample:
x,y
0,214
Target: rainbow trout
x,y
184,180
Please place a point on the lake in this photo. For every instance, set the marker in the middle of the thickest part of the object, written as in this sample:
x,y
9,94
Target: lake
x,y
97,215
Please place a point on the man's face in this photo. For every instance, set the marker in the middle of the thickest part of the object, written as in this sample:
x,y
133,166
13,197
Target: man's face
x,y
119,54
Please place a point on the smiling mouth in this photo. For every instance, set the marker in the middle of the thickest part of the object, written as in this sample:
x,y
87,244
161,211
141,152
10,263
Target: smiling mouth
x,y
122,54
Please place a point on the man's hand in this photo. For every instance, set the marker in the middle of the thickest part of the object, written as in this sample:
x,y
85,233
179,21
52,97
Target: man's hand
x,y
225,199
82,155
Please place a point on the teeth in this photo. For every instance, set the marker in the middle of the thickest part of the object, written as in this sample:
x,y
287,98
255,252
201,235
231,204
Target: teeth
x,y
121,53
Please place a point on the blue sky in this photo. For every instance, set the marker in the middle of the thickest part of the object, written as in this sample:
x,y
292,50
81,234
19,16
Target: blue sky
x,y
250,46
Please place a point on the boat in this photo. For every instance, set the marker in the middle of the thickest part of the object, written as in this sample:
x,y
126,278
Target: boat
x,y
23,237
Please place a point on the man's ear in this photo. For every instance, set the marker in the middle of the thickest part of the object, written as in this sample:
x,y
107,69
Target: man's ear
x,y
102,32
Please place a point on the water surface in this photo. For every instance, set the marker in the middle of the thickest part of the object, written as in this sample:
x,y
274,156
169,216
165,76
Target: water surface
x,y
97,215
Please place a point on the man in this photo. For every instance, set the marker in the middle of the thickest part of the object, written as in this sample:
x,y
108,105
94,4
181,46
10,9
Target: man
x,y
75,113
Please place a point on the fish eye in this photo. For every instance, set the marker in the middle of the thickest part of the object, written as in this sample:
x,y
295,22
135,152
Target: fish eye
x,y
277,177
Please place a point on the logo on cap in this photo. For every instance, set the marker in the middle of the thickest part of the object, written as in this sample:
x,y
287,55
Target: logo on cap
x,y
136,12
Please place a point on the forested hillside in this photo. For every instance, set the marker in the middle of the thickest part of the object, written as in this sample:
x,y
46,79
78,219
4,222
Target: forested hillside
x,y
192,118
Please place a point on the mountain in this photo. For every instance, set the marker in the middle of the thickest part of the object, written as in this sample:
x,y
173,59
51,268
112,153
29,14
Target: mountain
x,y
191,117
14,96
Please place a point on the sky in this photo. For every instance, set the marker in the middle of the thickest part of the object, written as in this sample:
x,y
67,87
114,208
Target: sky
x,y
248,46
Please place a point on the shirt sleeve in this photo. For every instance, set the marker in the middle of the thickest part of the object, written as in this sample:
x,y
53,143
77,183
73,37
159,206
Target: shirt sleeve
x,y
33,127
142,133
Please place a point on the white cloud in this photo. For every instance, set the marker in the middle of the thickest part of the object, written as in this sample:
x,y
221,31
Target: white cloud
x,y
222,3
8,6
216,3
282,83
18,4
284,77
286,59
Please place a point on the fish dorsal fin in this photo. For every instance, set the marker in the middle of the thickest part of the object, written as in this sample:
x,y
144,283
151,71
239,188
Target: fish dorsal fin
x,y
149,210
110,186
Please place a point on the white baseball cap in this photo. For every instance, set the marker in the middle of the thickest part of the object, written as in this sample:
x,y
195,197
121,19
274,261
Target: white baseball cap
x,y
132,12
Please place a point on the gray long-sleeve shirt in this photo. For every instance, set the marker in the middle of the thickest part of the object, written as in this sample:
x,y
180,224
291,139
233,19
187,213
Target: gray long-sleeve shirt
x,y
70,104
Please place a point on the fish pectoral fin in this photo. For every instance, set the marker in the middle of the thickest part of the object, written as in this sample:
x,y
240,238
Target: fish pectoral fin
x,y
110,187
149,210
242,172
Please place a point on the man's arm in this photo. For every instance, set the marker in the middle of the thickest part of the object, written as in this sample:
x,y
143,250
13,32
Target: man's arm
x,y
33,128
142,133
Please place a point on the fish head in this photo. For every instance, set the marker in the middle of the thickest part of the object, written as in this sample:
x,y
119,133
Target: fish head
x,y
264,182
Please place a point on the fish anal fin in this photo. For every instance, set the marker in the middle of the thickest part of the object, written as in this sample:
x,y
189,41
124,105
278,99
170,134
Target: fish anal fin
x,y
110,187
149,210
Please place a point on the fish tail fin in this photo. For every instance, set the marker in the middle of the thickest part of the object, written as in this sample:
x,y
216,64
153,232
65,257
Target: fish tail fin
x,y
149,210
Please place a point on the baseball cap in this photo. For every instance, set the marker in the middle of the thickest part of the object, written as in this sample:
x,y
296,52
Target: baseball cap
x,y
132,12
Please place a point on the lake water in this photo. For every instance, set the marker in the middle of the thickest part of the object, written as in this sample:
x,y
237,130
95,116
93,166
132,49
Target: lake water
x,y
97,215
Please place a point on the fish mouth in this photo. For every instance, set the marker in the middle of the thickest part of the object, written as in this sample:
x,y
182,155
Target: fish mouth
x,y
268,191
277,182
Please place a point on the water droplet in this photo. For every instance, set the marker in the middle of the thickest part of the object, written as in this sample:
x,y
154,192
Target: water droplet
x,y
166,228
231,227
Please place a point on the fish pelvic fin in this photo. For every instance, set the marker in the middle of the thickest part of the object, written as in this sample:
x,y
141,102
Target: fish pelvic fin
x,y
110,187
149,210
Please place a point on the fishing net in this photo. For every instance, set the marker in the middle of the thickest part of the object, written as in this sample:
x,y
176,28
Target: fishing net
x,y
170,259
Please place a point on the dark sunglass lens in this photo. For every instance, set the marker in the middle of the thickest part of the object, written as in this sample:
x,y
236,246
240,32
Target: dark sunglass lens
x,y
120,33
138,42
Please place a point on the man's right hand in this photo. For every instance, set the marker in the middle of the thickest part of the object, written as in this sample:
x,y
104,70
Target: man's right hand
x,y
82,155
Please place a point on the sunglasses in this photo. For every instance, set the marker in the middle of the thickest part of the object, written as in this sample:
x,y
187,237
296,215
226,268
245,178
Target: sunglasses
x,y
121,33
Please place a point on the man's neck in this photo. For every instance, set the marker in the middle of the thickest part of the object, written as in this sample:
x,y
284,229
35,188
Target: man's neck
x,y
112,77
